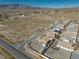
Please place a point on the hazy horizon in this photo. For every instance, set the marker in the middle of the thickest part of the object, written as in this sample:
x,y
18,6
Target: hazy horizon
x,y
44,3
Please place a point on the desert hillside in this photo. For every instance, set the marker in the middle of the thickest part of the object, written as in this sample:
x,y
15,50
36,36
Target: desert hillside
x,y
18,22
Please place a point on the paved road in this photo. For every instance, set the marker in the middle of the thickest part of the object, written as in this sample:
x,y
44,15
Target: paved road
x,y
16,53
33,37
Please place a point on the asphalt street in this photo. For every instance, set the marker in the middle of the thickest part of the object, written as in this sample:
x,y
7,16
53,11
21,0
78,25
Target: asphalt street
x,y
15,52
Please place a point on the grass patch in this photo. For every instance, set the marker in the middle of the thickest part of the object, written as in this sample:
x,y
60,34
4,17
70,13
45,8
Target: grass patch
x,y
6,54
5,38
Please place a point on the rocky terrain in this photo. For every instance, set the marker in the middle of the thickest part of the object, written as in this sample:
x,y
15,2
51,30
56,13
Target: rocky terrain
x,y
18,22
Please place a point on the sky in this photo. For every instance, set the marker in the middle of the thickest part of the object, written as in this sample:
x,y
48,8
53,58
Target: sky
x,y
44,3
